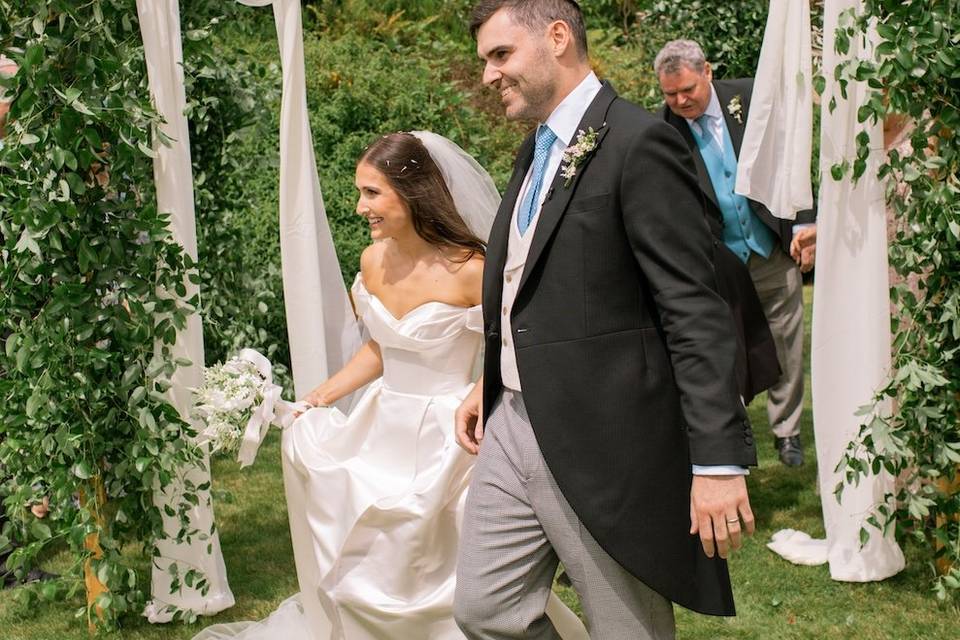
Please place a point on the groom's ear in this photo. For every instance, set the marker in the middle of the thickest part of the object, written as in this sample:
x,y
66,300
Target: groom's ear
x,y
560,39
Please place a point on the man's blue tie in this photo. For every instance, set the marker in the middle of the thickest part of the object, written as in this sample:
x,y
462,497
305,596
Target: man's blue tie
x,y
528,207
706,132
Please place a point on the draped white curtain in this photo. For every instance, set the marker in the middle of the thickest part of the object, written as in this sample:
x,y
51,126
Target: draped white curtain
x,y
321,326
160,27
850,355
851,318
774,161
322,330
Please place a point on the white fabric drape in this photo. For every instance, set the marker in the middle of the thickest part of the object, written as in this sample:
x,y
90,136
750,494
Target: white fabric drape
x,y
774,162
160,27
851,320
321,327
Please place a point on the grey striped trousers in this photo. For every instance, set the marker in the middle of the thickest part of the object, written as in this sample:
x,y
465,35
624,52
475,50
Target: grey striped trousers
x,y
517,527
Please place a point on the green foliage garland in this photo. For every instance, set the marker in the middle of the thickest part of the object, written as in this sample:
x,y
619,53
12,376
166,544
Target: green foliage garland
x,y
90,278
917,74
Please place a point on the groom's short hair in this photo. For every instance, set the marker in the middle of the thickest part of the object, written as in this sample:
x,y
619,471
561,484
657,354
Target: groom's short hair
x,y
534,15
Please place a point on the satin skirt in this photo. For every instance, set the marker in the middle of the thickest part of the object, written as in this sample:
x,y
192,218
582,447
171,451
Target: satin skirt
x,y
375,501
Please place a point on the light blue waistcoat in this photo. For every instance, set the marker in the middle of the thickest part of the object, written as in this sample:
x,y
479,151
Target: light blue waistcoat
x,y
743,231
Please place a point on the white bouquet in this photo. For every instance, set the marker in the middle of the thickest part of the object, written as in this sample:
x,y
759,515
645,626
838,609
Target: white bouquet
x,y
238,402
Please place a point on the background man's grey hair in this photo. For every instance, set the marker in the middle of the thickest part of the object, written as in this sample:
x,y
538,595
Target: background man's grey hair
x,y
677,54
535,15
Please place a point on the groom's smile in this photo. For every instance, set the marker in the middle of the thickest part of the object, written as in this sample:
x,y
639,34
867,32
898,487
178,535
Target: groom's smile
x,y
517,64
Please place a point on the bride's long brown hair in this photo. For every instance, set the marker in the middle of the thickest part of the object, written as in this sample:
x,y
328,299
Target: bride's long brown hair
x,y
416,178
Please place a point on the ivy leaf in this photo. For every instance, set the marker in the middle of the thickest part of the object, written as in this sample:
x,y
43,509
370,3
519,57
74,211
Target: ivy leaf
x,y
859,166
33,55
137,396
837,171
147,420
69,95
34,402
147,151
27,243
40,530
93,138
11,345
23,355
130,374
82,470
82,108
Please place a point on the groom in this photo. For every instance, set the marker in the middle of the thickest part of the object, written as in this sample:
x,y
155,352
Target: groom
x,y
609,373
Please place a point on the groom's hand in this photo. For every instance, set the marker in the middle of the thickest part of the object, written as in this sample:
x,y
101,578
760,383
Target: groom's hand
x,y
469,426
718,505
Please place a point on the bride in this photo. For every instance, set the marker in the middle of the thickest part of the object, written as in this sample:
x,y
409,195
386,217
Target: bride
x,y
375,498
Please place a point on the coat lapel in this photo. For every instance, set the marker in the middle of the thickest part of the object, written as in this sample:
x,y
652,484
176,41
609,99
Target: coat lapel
x,y
734,128
703,176
496,256
559,196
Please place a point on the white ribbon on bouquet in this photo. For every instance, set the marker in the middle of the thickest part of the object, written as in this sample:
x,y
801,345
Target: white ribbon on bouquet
x,y
272,410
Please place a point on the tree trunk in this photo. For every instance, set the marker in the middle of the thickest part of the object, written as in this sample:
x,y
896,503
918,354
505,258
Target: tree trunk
x,y
92,544
949,486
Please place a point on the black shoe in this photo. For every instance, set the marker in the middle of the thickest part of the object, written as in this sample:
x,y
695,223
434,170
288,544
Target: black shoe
x,y
791,451
34,575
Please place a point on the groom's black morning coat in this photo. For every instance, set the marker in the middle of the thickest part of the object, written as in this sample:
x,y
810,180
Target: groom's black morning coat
x,y
625,351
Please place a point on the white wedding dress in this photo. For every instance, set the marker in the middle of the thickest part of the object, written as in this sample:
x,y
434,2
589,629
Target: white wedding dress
x,y
376,497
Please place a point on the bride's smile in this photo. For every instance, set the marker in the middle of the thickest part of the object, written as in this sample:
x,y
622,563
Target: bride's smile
x,y
387,215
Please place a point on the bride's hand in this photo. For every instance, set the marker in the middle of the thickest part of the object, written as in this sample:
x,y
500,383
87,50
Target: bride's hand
x,y
469,420
316,398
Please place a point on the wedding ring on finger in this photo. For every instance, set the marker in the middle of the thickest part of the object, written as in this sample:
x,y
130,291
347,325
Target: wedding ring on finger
x,y
733,520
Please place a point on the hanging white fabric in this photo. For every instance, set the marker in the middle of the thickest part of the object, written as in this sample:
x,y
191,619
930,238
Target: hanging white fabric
x,y
774,161
851,322
160,28
321,327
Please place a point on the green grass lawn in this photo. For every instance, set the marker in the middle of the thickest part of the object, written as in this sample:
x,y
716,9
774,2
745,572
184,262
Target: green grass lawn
x,y
774,598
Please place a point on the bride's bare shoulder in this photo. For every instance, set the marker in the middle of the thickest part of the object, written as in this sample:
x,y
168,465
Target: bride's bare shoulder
x,y
472,267
371,264
470,278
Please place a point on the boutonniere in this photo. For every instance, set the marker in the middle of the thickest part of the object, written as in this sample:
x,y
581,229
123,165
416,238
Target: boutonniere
x,y
575,154
735,108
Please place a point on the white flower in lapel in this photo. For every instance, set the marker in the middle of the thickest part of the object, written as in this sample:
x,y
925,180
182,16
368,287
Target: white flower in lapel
x,y
575,154
735,108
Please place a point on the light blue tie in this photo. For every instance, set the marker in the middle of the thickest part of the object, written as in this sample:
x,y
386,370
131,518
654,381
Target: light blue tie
x,y
528,207
706,132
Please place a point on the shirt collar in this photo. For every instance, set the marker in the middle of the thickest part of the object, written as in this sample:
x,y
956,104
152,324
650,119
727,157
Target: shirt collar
x,y
713,107
568,114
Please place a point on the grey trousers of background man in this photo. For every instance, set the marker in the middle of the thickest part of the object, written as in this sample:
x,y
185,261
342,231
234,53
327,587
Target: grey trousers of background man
x,y
516,527
780,289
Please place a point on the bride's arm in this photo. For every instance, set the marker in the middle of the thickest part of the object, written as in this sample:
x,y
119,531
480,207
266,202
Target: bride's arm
x,y
364,367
